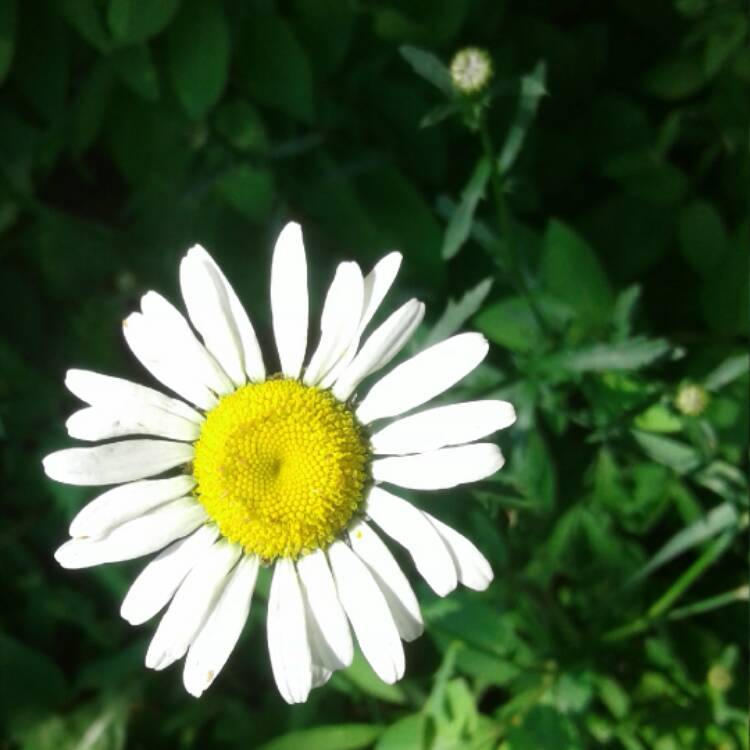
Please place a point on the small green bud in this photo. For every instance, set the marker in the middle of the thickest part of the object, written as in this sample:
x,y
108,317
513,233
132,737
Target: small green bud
x,y
471,70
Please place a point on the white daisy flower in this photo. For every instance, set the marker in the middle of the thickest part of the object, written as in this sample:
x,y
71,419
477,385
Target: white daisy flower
x,y
248,469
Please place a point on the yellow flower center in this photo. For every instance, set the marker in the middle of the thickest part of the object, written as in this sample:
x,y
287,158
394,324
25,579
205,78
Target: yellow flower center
x,y
281,467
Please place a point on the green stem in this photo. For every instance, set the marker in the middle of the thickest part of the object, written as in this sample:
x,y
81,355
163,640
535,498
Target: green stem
x,y
683,583
506,224
677,589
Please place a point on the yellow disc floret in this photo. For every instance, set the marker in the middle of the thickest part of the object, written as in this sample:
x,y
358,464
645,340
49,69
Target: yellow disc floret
x,y
281,467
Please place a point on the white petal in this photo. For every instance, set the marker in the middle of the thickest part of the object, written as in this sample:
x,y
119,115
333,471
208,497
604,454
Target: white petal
x,y
445,425
409,527
114,463
391,580
288,644
423,377
162,340
178,336
192,604
377,284
120,420
251,353
104,390
168,366
440,469
210,312
221,631
381,347
474,570
320,675
368,613
141,536
157,582
339,322
289,299
330,637
128,501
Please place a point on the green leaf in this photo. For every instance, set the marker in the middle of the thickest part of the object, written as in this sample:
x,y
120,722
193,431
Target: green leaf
x,y
338,737
486,637
725,295
658,418
460,222
85,18
89,107
716,521
135,67
572,692
457,313
403,218
631,354
41,66
198,51
360,675
37,681
249,190
675,79
624,310
326,29
273,68
533,88
722,42
511,323
533,472
678,456
702,237
543,727
613,695
94,726
710,603
133,21
571,271
408,733
439,113
8,14
147,141
429,67
242,126
729,370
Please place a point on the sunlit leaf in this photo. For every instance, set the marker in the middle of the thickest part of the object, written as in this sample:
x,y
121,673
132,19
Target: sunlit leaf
x,y
716,521
429,67
338,737
457,313
730,369
672,453
631,354
459,225
533,88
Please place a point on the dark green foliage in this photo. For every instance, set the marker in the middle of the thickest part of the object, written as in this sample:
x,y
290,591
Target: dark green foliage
x,y
588,212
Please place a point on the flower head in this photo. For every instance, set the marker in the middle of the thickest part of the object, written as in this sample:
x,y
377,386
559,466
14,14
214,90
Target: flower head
x,y
691,400
247,469
471,70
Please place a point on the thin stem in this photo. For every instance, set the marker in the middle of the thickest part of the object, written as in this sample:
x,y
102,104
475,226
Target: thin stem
x,y
506,225
658,610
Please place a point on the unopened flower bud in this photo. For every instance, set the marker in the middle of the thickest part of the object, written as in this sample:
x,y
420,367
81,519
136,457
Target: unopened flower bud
x,y
471,70
691,400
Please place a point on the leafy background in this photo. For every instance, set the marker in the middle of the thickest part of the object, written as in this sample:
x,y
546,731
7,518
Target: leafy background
x,y
603,249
